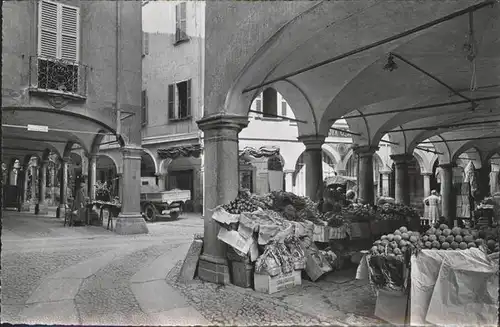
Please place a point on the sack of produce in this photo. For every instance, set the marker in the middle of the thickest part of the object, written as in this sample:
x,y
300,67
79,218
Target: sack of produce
x,y
316,264
267,233
330,257
285,257
286,230
306,242
297,252
222,216
268,263
250,221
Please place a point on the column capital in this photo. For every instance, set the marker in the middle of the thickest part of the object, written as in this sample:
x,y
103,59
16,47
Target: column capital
x,y
386,172
161,174
341,172
223,121
66,159
426,174
401,158
312,142
288,171
365,150
92,156
131,152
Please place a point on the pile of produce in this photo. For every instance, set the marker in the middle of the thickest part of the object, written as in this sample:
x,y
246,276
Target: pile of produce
x,y
281,257
444,238
395,245
358,213
390,211
243,203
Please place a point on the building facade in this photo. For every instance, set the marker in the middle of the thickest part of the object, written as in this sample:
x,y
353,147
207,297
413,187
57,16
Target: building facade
x,y
173,91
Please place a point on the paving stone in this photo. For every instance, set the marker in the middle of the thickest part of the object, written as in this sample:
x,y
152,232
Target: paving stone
x,y
55,290
190,264
157,296
53,313
186,316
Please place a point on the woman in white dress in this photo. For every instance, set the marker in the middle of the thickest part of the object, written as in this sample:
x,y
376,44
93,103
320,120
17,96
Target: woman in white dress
x,y
433,203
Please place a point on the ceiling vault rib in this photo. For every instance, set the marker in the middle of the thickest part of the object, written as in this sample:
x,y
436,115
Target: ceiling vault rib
x,y
432,76
32,139
429,106
375,44
344,131
278,116
428,150
436,127
463,139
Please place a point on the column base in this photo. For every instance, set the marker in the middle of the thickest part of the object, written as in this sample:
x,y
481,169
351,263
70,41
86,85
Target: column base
x,y
43,209
130,224
61,211
25,207
214,270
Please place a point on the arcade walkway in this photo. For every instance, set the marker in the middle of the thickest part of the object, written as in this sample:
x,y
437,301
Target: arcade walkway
x,y
87,275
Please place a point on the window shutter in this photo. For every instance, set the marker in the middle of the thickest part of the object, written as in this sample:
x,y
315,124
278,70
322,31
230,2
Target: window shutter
x,y
177,22
70,33
188,110
171,101
283,108
183,21
145,43
144,107
48,29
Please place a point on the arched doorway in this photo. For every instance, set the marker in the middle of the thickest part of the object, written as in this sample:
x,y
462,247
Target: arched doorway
x,y
107,173
184,173
275,174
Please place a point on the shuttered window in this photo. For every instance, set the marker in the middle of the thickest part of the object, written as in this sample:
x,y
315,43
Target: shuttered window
x,y
179,100
180,22
59,31
145,44
283,108
258,102
144,107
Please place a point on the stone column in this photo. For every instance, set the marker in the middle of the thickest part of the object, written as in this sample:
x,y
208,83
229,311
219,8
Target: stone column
x,y
130,220
43,208
494,180
385,182
63,190
314,165
221,186
288,180
365,175
161,181
34,182
427,184
447,203
25,184
402,191
92,173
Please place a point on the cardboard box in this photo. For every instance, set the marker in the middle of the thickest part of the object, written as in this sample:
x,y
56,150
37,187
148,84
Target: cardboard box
x,y
321,233
392,306
316,265
270,285
234,239
338,233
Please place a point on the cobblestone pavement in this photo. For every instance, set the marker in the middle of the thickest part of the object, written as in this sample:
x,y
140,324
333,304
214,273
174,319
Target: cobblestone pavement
x,y
88,275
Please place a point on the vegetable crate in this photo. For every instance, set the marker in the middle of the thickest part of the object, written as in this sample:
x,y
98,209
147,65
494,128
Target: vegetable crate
x,y
241,274
270,285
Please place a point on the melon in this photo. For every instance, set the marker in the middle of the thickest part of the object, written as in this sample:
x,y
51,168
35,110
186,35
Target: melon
x,y
428,244
405,236
431,231
462,245
465,232
442,238
458,239
438,232
374,249
397,238
450,238
390,237
383,237
471,245
413,239
436,244
403,249
403,243
474,233
397,251
447,232
394,245
410,233
449,249
491,244
479,242
403,229
385,242
445,246
425,238
432,238
481,234
454,245
391,256
377,242
443,226
468,239
397,232
456,231
381,248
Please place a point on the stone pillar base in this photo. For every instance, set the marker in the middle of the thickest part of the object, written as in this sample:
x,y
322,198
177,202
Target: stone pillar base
x,y
43,209
61,211
25,207
130,224
213,270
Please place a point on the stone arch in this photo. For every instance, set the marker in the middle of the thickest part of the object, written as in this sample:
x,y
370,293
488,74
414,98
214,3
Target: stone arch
x,y
163,166
474,155
94,148
421,162
153,158
332,153
107,155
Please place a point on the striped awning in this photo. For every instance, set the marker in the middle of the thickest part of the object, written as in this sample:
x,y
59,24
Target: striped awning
x,y
260,152
193,150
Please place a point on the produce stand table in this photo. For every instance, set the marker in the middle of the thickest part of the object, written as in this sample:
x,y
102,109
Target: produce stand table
x,y
112,208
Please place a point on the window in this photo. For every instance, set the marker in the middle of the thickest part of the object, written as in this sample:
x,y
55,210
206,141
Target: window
x,y
179,100
258,103
180,23
145,44
270,102
144,108
283,108
58,46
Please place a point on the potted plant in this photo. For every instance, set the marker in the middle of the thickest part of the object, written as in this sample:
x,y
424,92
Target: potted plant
x,y
103,192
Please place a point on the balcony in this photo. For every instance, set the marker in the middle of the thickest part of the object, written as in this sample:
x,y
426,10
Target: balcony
x,y
58,77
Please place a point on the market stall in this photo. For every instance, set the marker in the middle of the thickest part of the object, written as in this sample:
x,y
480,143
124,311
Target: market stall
x,y
439,277
273,237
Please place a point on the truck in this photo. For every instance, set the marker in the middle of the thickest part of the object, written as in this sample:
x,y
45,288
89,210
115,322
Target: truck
x,y
157,203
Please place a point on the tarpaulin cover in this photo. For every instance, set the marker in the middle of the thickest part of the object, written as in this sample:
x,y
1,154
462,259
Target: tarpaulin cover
x,y
261,152
454,288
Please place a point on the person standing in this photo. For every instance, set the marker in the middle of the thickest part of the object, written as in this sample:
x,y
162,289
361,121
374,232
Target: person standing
x,y
432,202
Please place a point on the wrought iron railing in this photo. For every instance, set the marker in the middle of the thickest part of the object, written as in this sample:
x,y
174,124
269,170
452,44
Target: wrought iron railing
x,y
58,76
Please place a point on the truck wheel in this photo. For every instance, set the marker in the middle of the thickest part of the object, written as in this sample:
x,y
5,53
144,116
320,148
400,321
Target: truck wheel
x,y
150,212
174,215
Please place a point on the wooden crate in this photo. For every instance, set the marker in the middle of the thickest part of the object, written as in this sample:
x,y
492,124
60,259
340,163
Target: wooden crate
x,y
270,285
242,274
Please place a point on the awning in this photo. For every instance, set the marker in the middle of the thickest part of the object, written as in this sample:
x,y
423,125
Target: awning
x,y
261,152
340,180
193,150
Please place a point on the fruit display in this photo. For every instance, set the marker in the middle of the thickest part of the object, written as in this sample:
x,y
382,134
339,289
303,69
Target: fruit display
x,y
359,213
242,203
396,244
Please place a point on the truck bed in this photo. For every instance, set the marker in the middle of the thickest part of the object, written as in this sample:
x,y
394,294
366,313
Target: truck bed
x,y
166,196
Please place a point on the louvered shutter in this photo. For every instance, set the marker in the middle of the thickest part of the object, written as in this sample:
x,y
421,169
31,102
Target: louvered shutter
x,y
145,43
188,101
69,33
144,107
283,108
48,29
177,22
171,101
183,21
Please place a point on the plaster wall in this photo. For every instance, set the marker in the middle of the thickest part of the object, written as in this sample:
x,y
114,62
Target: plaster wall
x,y
98,37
